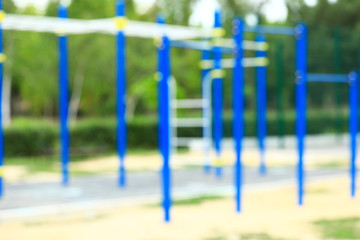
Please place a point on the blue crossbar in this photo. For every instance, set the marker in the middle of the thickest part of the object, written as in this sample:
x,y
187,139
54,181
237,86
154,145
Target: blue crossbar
x,y
271,30
320,77
201,46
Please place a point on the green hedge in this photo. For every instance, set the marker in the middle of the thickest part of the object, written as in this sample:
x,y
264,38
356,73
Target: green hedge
x,y
32,137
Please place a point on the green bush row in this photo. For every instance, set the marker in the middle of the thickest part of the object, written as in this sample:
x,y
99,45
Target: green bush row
x,y
33,137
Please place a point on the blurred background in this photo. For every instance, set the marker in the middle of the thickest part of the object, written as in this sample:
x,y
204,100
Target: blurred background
x,y
30,117
30,99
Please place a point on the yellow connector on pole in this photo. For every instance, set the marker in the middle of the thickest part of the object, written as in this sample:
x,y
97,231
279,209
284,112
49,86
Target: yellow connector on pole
x,y
120,23
2,57
2,16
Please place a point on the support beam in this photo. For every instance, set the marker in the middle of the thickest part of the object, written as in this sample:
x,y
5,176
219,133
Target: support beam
x,y
217,73
333,78
121,90
164,117
273,30
353,103
280,103
261,106
206,110
63,98
230,63
238,107
301,79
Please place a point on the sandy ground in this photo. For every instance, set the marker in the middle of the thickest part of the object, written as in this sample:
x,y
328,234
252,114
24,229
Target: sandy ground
x,y
152,162
272,212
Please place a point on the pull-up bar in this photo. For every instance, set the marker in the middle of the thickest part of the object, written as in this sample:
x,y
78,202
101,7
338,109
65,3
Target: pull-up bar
x,y
273,30
302,77
230,63
227,45
320,77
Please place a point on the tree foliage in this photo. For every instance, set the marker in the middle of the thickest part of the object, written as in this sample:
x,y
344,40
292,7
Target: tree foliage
x,y
92,67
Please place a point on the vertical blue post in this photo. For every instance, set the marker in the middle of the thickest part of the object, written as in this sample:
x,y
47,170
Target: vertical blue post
x,y
206,56
121,90
2,14
301,78
261,106
217,75
164,117
353,85
63,100
358,85
238,106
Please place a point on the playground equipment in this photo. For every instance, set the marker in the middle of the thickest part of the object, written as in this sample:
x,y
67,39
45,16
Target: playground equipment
x,y
212,73
64,26
300,34
214,70
204,103
175,36
302,77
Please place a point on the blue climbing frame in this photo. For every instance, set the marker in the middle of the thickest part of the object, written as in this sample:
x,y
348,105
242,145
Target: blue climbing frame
x,y
300,81
63,99
120,94
164,73
121,90
302,77
239,28
352,80
238,107
217,75
261,106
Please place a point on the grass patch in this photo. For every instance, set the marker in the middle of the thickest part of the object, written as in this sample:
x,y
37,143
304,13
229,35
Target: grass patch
x,y
35,164
331,165
196,200
49,164
191,201
247,236
344,228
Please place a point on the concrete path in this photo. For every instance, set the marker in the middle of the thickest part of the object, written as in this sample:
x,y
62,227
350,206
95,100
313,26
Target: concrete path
x,y
32,199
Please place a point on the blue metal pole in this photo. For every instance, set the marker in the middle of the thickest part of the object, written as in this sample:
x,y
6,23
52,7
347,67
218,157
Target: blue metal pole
x,y
121,90
1,86
164,74
238,106
205,56
358,85
301,78
217,75
261,106
63,100
353,85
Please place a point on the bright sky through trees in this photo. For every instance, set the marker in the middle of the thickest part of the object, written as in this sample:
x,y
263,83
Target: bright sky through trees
x,y
275,10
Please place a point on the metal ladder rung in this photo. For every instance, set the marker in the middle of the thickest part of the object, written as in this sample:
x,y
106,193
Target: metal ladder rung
x,y
190,103
190,122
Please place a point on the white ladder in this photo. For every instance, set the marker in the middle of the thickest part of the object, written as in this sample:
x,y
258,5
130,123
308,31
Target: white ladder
x,y
204,122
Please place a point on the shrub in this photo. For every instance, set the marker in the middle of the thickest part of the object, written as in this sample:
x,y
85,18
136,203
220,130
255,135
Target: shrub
x,y
29,137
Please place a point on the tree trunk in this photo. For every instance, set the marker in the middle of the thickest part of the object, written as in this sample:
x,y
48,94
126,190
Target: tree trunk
x,y
6,88
77,92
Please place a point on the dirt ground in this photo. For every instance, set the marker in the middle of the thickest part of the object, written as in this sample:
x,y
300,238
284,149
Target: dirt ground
x,y
272,212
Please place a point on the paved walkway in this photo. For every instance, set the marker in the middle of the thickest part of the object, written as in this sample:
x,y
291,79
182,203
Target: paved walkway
x,y
30,199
